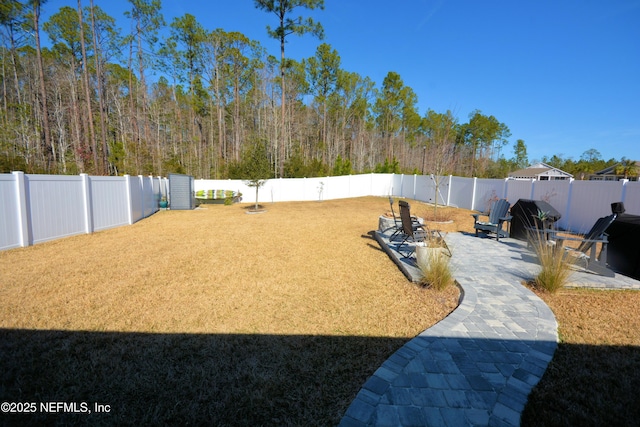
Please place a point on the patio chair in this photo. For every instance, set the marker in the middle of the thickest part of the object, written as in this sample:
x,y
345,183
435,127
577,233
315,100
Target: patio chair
x,y
416,232
398,221
587,250
498,216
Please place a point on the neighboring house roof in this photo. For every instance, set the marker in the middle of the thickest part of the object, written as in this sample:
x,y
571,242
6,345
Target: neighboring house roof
x,y
539,170
527,172
611,170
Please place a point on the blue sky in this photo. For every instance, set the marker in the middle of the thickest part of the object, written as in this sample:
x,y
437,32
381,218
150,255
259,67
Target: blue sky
x,y
564,76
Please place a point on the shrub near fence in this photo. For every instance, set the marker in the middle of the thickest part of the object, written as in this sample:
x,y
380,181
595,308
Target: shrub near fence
x,y
36,208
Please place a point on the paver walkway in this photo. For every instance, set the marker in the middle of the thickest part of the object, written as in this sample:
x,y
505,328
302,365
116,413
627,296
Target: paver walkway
x,y
478,365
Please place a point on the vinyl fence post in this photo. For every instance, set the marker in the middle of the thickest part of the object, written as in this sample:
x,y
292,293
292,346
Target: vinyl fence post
x,y
449,190
473,194
141,181
152,197
415,185
127,183
392,193
505,188
88,206
569,197
159,195
24,219
625,183
165,187
533,188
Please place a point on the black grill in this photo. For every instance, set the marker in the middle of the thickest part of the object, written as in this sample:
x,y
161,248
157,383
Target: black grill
x,y
525,215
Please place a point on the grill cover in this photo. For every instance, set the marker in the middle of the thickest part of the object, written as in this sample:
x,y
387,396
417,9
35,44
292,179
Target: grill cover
x,y
623,251
524,212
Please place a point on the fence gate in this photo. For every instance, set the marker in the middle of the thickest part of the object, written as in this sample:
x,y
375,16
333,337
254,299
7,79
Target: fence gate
x,y
181,192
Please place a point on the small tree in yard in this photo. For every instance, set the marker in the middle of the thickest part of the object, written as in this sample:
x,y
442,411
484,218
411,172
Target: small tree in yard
x,y
254,168
440,130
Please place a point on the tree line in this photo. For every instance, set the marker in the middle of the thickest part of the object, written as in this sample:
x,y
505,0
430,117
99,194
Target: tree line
x,y
85,102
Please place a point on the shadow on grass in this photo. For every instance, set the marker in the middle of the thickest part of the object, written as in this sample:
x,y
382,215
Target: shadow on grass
x,y
180,379
587,385
214,379
371,236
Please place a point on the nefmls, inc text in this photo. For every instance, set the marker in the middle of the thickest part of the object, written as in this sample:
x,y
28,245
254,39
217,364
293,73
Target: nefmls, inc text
x,y
73,407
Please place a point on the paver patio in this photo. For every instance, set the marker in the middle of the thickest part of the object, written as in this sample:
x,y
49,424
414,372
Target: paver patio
x,y
479,364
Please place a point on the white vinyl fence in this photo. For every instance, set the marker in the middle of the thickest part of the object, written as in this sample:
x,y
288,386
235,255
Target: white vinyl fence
x,y
581,203
305,189
37,208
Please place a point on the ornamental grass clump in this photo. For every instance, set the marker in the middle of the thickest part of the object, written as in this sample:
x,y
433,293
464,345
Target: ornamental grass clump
x,y
555,263
435,266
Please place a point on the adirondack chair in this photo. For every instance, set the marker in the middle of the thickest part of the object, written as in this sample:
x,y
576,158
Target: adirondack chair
x,y
587,250
498,217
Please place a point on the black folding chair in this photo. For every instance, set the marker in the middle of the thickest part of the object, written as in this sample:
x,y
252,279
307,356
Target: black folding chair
x,y
398,222
416,232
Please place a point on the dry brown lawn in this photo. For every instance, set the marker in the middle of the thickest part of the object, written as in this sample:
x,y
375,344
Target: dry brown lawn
x,y
218,317
211,316
594,377
300,268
